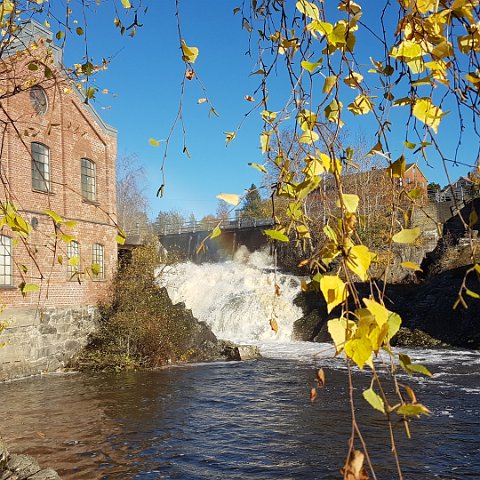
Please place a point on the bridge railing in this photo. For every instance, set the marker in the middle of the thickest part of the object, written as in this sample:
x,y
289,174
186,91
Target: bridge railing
x,y
229,224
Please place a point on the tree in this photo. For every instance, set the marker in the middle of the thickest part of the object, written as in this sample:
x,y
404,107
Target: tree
x,y
223,210
132,203
169,221
253,205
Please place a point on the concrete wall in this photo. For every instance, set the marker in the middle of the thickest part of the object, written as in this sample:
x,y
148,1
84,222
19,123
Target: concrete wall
x,y
42,340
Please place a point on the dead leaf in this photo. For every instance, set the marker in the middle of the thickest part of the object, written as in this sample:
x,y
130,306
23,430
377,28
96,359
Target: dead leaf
x,y
278,292
321,377
249,98
354,469
189,74
274,325
313,394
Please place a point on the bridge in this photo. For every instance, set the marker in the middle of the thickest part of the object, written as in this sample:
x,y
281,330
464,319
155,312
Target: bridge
x,y
186,238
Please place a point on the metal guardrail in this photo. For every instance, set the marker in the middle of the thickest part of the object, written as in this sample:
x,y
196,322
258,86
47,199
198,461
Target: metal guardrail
x,y
229,224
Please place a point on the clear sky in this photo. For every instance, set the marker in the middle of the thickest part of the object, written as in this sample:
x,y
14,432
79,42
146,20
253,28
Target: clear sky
x,y
144,81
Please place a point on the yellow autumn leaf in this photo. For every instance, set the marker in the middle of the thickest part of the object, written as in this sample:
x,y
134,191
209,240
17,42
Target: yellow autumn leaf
x,y
341,330
361,105
153,142
407,235
334,291
397,168
229,136
411,266
407,50
428,113
308,9
190,54
126,4
265,141
329,84
353,80
308,137
350,202
380,313
309,66
358,260
359,350
230,198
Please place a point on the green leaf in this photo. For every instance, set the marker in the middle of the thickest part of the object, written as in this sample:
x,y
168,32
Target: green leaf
x,y
96,269
28,288
59,35
32,66
87,68
376,401
276,235
79,31
407,235
410,367
394,322
410,145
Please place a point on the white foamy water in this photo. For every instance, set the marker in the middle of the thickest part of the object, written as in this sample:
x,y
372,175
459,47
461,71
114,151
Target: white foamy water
x,y
238,298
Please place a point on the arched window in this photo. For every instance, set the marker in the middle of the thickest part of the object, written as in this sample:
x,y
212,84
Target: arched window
x,y
6,274
73,255
98,261
89,190
40,167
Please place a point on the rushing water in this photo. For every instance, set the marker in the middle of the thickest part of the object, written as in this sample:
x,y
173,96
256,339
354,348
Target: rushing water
x,y
241,420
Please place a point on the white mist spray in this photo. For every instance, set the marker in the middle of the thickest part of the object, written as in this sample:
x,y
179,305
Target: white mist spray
x,y
237,298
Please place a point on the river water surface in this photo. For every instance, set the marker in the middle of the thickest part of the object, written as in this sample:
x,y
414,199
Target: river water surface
x,y
241,420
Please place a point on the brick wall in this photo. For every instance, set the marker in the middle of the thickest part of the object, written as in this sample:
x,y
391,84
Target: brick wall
x,y
71,130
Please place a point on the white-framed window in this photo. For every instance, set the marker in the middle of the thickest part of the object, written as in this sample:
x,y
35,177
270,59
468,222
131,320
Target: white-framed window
x,y
89,184
40,167
6,261
98,261
73,257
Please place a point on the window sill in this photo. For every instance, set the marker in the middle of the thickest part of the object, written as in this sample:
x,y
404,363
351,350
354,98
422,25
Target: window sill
x,y
48,192
90,202
8,287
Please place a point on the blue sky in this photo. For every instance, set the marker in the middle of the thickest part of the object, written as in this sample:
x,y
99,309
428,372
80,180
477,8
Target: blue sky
x,y
144,81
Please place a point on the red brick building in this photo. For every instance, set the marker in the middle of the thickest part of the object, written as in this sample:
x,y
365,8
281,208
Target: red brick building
x,y
58,155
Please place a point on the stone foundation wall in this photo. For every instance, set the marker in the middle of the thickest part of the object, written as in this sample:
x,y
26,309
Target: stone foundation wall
x,y
43,339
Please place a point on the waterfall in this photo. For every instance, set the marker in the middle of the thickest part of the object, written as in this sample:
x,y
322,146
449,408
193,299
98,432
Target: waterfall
x,y
237,298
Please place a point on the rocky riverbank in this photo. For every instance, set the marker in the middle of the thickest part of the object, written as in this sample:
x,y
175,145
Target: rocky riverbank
x,y
24,467
426,308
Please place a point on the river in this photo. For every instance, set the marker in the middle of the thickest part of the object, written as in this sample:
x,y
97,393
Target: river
x,y
241,420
